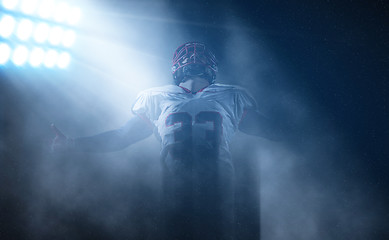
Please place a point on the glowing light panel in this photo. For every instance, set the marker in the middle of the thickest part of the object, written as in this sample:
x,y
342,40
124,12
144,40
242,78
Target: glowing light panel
x,y
10,4
63,60
20,55
55,35
7,25
5,53
41,32
74,16
61,12
36,57
29,6
50,58
46,8
69,38
24,29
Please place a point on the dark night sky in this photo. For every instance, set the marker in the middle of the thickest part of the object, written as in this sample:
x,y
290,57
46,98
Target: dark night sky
x,y
335,54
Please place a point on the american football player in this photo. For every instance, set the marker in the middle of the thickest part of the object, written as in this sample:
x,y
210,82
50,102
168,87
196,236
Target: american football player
x,y
194,119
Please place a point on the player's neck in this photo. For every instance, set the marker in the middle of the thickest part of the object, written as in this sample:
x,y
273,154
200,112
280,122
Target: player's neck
x,y
195,84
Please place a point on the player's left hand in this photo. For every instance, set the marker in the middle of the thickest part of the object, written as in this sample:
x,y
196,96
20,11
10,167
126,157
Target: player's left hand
x,y
60,142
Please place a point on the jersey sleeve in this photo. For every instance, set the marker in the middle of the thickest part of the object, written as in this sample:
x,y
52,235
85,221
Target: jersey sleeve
x,y
244,102
146,107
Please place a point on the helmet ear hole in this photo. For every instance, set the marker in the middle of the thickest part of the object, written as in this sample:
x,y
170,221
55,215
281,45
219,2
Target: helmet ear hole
x,y
178,76
211,76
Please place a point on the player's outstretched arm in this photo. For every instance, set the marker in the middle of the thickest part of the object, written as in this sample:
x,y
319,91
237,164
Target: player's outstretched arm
x,y
133,131
255,123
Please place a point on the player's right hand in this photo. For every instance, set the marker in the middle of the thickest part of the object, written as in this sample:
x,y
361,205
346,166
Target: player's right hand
x,y
60,142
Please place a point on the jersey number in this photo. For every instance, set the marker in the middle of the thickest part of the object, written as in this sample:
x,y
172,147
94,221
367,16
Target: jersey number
x,y
184,133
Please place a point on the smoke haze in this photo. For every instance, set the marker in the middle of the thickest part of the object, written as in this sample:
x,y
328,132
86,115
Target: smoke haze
x,y
310,187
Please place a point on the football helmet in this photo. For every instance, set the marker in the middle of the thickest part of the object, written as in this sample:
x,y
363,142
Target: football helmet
x,y
194,59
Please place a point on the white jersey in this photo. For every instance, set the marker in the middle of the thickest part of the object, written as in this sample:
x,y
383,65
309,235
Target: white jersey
x,y
194,125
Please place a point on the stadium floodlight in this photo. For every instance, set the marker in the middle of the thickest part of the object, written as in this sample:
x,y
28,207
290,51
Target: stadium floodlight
x,y
41,32
5,53
46,8
33,25
61,12
10,4
50,58
29,6
24,30
20,55
74,16
7,25
55,35
36,57
68,38
63,60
